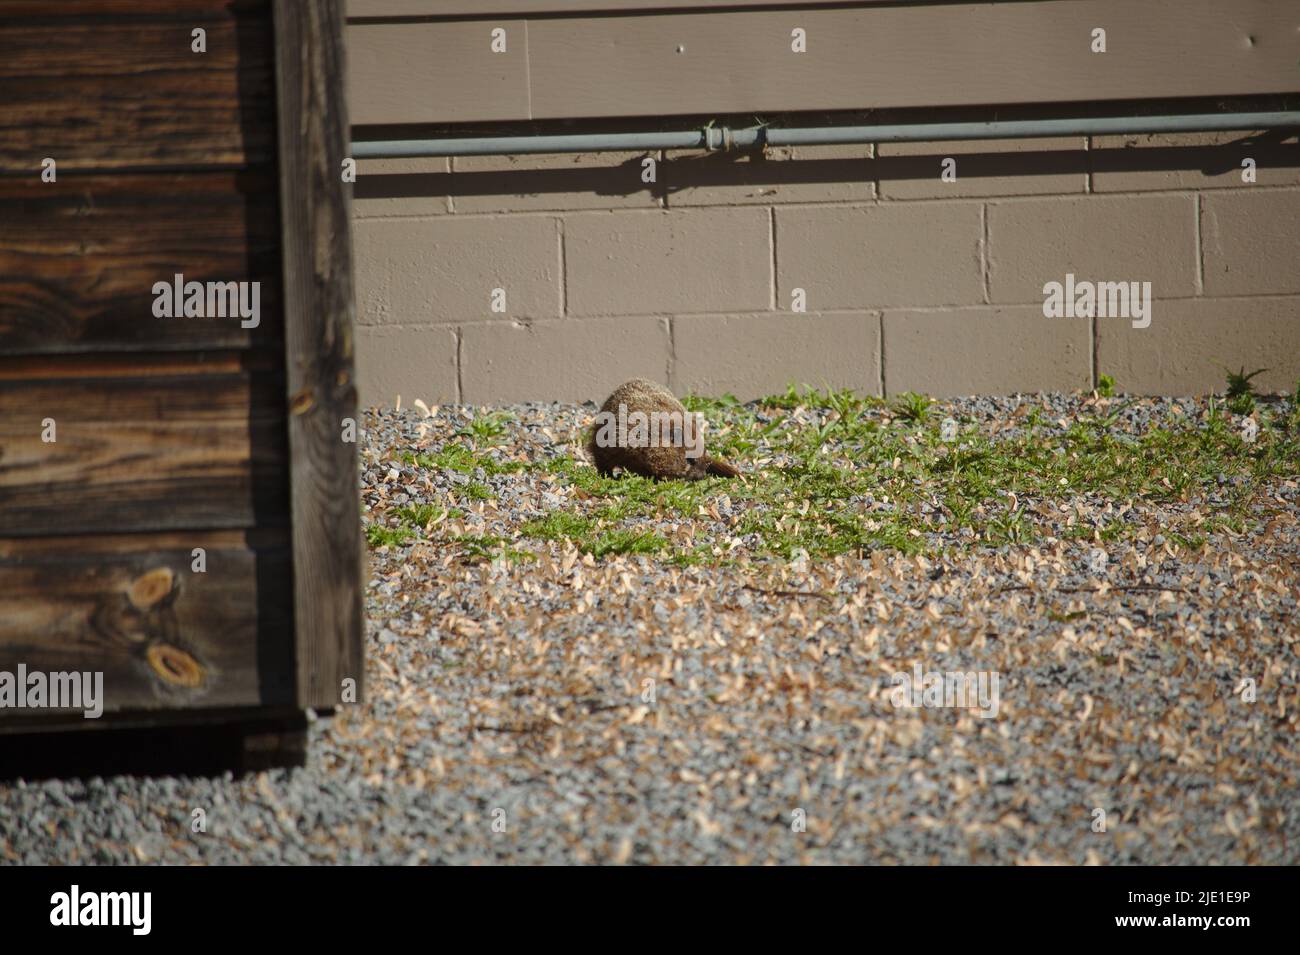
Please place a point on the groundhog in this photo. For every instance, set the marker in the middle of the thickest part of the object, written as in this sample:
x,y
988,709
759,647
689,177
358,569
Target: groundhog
x,y
656,448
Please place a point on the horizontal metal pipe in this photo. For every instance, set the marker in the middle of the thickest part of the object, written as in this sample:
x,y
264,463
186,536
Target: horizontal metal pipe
x,y
722,137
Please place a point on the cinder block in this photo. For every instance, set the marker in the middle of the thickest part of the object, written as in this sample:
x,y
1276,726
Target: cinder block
x,y
443,270
985,350
411,362
1251,241
565,181
752,356
993,167
401,187
862,257
567,360
1095,238
632,263
1188,161
1192,342
783,174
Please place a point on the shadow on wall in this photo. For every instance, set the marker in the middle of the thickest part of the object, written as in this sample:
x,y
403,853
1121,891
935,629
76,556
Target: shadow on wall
x,y
753,168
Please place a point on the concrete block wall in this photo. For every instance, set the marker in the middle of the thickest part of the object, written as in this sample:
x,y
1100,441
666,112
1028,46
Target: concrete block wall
x,y
910,282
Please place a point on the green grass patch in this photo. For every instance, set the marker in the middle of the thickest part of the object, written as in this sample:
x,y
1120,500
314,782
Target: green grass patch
x,y
487,429
457,457
559,525
484,548
377,536
627,542
862,475
422,515
850,474
476,492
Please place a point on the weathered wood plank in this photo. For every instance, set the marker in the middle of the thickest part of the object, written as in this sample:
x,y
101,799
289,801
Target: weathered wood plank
x,y
79,258
120,93
136,365
133,608
318,309
182,721
188,10
155,452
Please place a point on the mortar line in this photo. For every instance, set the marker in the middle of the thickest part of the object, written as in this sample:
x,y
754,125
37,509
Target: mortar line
x,y
1087,176
875,179
460,368
771,242
837,203
661,179
880,370
984,249
1292,297
1092,358
671,368
1200,247
528,72
564,268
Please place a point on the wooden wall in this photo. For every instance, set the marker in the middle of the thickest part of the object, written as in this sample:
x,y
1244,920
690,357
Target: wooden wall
x,y
431,61
170,434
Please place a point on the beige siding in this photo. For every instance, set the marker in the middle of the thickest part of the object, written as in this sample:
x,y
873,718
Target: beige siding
x,y
444,72
418,271
868,56
565,361
989,349
675,261
447,8
404,362
1190,344
991,167
1251,241
911,291
909,282
881,254
821,174
751,356
1148,238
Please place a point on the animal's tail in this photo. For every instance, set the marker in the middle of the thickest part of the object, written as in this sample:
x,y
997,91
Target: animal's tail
x,y
720,468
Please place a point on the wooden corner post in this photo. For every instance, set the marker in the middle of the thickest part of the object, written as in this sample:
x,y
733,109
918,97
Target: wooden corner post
x,y
318,318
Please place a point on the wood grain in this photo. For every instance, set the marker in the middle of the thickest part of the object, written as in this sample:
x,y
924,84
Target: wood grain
x,y
188,10
118,92
154,452
67,604
319,311
79,258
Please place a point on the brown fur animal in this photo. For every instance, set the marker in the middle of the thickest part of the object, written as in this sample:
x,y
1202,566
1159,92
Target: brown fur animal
x,y
669,459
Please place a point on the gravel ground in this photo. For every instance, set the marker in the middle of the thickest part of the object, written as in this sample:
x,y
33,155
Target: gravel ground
x,y
566,709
